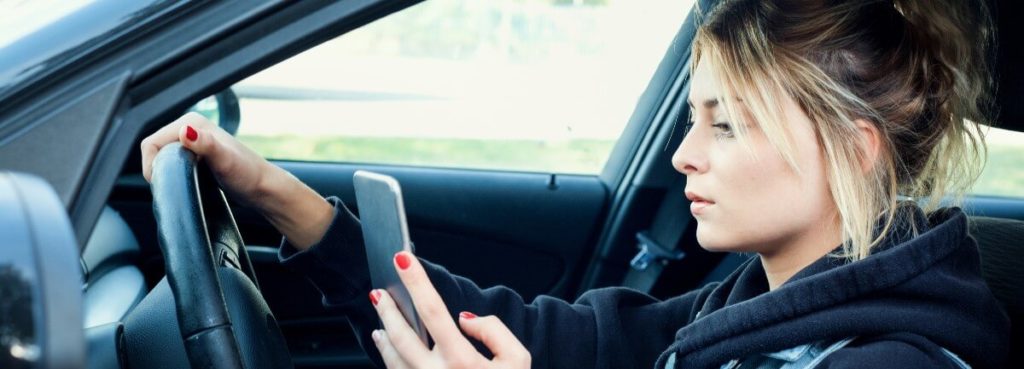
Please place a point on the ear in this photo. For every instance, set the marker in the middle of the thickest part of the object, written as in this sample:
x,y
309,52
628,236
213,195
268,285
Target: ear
x,y
871,141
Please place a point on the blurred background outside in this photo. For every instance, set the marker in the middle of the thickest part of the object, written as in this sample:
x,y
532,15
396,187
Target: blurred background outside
x,y
524,85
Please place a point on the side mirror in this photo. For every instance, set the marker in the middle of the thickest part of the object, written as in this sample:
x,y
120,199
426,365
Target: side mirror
x,y
222,109
40,278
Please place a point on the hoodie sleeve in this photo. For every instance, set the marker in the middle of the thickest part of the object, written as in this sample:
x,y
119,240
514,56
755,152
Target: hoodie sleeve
x,y
605,328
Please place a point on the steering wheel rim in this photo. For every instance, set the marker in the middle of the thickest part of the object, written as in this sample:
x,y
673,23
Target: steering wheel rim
x,y
197,236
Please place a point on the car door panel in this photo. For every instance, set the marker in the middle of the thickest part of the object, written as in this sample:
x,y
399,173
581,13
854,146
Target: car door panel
x,y
514,229
995,207
490,225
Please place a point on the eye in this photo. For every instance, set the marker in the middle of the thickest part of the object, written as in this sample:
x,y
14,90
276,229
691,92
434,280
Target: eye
x,y
724,129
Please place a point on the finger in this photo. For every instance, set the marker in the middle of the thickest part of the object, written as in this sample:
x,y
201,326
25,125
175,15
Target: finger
x,y
404,339
392,360
429,305
165,135
202,139
496,336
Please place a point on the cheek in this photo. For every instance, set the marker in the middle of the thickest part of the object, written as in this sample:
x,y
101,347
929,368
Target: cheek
x,y
760,202
750,196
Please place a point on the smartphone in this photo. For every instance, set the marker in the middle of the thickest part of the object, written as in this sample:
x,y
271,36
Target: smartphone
x,y
385,233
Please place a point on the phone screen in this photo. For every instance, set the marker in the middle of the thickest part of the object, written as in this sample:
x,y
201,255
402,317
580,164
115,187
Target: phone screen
x,y
385,232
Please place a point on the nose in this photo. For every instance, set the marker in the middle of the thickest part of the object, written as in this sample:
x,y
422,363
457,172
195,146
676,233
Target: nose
x,y
689,157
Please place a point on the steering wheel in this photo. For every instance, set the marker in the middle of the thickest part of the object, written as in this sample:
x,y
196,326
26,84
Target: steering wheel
x,y
221,319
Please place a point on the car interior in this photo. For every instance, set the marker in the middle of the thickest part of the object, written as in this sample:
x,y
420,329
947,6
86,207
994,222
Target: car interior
x,y
121,268
539,233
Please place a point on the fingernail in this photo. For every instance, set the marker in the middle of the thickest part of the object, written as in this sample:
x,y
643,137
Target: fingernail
x,y
467,315
402,259
375,334
374,296
191,134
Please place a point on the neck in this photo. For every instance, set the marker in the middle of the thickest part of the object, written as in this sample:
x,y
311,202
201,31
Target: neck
x,y
785,261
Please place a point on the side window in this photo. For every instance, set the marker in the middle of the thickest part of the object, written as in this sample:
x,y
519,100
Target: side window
x,y
525,85
1004,172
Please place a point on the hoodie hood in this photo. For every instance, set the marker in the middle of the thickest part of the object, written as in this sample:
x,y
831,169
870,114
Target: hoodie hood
x,y
929,286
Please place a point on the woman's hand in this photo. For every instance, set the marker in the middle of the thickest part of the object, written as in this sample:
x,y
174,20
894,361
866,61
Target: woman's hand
x,y
401,348
238,169
293,208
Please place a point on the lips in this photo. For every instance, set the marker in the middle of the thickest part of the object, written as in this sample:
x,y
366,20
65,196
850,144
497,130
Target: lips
x,y
698,204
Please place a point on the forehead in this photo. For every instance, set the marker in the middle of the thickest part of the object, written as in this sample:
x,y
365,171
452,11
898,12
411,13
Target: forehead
x,y
704,87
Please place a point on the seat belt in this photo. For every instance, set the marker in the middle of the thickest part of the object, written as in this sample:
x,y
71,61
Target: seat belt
x,y
659,244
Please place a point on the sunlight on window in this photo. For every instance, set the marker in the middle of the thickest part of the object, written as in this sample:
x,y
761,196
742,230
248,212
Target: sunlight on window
x,y
543,85
1004,171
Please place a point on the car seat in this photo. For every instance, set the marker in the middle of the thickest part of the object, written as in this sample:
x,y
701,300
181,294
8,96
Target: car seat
x,y
113,283
1000,243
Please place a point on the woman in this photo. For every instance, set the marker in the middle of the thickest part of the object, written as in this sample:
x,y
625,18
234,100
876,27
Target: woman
x,y
808,120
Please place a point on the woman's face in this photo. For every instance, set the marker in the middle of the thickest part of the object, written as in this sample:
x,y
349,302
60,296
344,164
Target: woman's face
x,y
744,202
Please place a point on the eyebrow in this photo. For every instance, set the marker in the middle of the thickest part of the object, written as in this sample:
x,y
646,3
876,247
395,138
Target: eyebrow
x,y
708,103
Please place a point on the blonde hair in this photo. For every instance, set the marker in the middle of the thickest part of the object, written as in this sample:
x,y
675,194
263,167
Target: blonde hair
x,y
915,69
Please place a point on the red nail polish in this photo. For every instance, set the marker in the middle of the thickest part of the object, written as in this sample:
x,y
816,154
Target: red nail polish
x,y
402,259
191,134
467,315
374,296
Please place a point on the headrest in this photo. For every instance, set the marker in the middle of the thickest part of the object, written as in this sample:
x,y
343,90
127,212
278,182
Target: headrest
x,y
1009,63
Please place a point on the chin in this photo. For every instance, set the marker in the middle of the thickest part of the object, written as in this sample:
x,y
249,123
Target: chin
x,y
712,242
718,248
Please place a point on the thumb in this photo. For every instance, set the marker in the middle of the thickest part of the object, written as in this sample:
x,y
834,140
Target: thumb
x,y
496,336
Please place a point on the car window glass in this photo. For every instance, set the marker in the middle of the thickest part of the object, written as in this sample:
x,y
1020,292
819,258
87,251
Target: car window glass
x,y
526,85
1004,170
19,18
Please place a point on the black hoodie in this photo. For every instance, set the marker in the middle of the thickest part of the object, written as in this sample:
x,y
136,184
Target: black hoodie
x,y
910,299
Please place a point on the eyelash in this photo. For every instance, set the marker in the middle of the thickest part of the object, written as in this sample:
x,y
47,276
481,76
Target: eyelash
x,y
725,129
